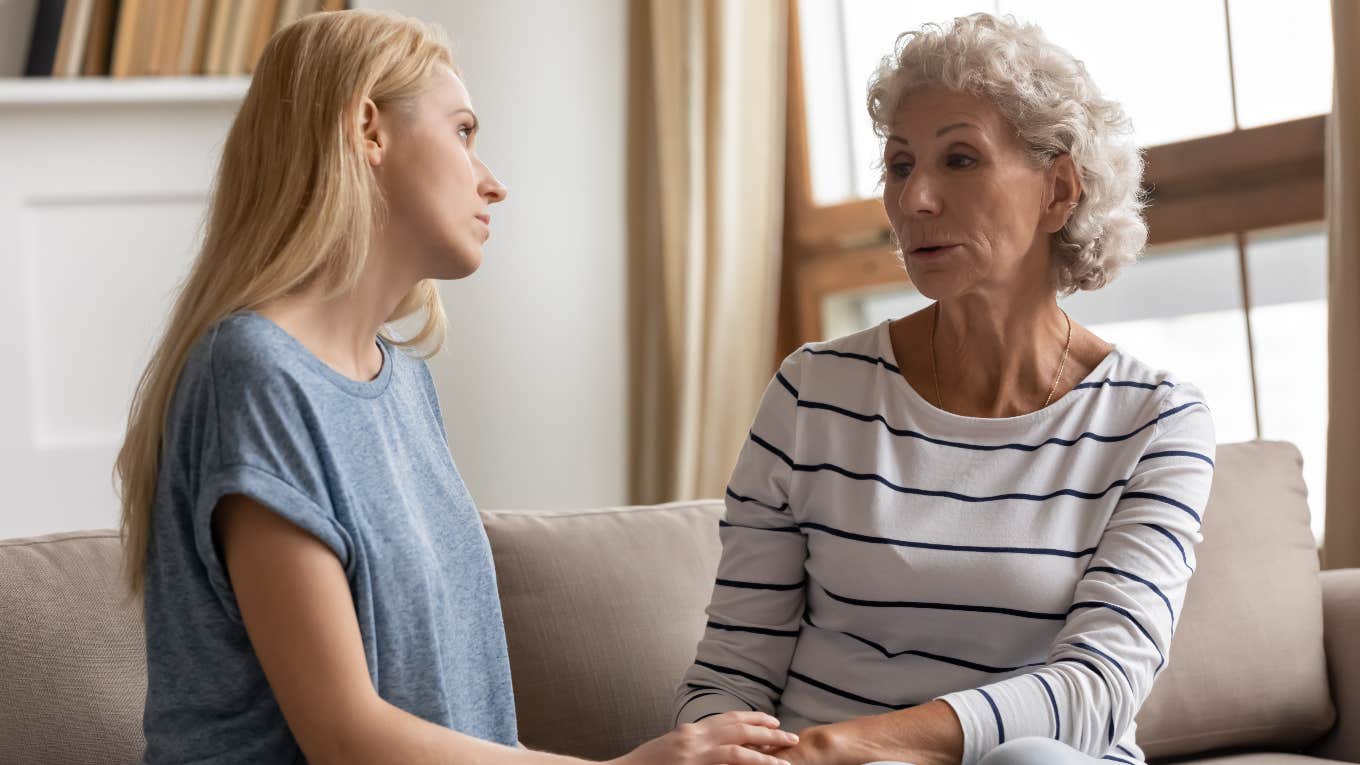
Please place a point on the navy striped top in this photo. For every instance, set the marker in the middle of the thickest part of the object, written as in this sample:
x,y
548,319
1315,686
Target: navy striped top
x,y
879,552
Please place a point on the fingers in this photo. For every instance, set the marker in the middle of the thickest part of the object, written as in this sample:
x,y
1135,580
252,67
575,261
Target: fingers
x,y
733,754
754,735
748,718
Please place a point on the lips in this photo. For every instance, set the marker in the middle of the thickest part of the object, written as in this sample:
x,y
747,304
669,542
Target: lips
x,y
483,218
928,250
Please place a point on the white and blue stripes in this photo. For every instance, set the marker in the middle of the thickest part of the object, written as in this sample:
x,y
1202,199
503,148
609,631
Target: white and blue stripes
x,y
879,552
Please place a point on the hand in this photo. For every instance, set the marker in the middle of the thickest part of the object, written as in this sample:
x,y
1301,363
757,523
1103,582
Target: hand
x,y
843,744
719,740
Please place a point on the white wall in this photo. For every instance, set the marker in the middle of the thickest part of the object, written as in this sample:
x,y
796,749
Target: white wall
x,y
533,380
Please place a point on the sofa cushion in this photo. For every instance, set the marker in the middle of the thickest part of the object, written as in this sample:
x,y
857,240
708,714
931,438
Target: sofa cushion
x,y
603,611
1247,664
72,652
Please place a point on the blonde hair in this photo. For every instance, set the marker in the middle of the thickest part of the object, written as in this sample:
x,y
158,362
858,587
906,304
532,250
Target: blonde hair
x,y
1055,108
294,204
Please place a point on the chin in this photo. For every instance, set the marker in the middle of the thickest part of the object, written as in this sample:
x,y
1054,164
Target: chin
x,y
459,262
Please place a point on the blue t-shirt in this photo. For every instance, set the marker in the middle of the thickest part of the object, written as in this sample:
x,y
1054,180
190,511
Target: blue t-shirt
x,y
365,468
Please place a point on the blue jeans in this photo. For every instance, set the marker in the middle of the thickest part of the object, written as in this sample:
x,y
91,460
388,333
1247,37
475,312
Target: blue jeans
x,y
1027,751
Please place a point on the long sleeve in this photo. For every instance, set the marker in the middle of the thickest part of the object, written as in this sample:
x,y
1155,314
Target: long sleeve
x,y
1117,632
758,598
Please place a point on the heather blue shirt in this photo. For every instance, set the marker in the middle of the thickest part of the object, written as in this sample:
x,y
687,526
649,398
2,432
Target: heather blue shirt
x,y
363,467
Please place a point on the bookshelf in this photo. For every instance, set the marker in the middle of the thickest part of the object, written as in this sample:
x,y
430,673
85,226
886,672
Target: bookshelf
x,y
72,39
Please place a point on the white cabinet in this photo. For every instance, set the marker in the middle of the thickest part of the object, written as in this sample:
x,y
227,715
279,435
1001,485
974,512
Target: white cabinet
x,y
103,187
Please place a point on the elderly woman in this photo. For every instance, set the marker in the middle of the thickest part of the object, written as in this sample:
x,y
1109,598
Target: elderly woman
x,y
965,535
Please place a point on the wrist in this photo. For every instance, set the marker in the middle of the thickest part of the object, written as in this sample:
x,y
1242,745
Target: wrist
x,y
843,743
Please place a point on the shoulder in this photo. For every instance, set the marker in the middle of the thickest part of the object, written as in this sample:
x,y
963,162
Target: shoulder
x,y
1129,371
252,361
855,354
1177,405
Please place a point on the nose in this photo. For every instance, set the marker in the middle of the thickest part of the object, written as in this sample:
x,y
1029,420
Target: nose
x,y
918,195
491,189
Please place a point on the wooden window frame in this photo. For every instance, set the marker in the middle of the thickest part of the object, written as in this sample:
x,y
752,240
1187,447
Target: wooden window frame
x,y
1221,185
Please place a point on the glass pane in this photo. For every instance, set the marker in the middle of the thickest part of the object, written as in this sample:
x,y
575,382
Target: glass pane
x,y
1282,57
1287,276
1166,61
823,60
1179,309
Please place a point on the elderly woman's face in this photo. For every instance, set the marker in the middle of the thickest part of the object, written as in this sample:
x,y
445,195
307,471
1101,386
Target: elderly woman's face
x,y
966,203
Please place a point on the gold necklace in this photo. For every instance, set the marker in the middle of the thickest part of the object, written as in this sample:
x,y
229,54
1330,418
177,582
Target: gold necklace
x,y
935,370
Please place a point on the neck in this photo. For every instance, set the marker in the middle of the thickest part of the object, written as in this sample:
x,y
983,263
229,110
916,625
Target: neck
x,y
998,357
341,329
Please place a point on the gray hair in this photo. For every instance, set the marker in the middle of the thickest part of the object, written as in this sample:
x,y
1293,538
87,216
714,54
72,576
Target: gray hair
x,y
1055,108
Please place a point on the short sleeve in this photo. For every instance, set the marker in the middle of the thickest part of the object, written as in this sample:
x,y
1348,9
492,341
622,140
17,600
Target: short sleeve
x,y
260,444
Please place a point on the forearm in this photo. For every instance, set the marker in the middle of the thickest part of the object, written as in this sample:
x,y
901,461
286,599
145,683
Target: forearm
x,y
929,734
378,732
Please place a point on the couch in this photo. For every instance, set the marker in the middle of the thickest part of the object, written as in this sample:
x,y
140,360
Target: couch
x,y
603,609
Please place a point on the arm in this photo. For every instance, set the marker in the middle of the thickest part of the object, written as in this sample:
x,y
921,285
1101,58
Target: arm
x,y
1113,644
298,612
753,618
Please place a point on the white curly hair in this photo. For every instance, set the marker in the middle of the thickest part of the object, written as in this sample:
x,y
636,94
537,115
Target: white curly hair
x,y
1049,98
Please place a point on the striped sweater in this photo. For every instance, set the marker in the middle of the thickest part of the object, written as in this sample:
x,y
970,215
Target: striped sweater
x,y
879,552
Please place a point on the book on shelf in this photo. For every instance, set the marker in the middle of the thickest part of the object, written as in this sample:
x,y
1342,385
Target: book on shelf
x,y
142,38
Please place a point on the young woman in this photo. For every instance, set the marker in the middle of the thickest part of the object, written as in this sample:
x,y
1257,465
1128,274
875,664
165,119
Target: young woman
x,y
317,582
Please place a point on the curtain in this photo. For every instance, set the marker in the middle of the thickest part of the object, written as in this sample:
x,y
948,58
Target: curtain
x,y
706,169
1341,545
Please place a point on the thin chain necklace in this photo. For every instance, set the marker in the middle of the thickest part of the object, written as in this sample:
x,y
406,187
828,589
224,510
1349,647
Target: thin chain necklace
x,y
935,369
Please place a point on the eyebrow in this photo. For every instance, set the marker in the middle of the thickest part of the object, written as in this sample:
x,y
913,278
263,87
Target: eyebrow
x,y
468,112
938,133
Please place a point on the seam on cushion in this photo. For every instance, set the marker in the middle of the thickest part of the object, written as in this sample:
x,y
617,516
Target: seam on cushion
x,y
693,505
1233,731
68,537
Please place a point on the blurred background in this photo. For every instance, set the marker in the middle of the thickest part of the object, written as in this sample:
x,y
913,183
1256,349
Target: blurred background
x,y
693,193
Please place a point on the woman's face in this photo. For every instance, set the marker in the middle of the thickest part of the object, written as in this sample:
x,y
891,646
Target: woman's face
x,y
439,194
971,212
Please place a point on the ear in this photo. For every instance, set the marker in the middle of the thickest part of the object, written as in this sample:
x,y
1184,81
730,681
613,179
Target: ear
x,y
372,132
1064,192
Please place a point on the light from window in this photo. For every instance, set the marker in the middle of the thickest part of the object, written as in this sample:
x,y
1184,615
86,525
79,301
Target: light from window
x,y
1287,276
1282,57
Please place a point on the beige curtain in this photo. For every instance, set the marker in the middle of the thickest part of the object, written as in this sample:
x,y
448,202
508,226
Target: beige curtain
x,y
706,160
1341,547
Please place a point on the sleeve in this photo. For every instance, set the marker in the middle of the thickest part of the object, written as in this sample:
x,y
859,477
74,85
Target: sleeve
x,y
260,445
1117,635
742,662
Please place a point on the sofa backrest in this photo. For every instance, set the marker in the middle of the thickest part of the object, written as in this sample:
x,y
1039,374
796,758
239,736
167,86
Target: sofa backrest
x,y
1247,665
72,653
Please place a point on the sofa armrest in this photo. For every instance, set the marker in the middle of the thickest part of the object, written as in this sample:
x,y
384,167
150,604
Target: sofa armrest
x,y
1341,636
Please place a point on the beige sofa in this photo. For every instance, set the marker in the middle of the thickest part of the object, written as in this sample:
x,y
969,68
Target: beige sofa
x,y
603,610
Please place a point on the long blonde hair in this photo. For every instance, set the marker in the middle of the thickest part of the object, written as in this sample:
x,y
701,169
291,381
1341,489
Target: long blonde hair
x,y
294,204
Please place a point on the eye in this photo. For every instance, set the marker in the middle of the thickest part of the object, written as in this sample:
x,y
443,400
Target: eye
x,y
899,169
960,161
465,132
